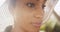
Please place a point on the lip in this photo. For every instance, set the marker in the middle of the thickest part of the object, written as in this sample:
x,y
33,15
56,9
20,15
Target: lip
x,y
37,24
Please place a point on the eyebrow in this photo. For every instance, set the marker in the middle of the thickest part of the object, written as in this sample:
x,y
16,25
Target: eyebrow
x,y
45,0
38,0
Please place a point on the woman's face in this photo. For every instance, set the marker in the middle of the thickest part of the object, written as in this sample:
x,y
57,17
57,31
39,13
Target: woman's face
x,y
28,14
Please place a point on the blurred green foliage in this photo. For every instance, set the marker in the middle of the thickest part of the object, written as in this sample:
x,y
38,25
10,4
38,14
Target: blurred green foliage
x,y
49,26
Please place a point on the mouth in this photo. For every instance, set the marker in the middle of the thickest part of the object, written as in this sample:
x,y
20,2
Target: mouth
x,y
37,24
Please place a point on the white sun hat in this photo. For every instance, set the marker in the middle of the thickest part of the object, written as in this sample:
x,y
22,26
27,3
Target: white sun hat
x,y
50,5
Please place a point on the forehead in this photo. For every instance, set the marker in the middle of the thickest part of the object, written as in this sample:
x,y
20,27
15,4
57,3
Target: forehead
x,y
30,0
34,1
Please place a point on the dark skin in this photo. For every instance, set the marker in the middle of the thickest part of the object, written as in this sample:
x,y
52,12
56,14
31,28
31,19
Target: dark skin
x,y
28,15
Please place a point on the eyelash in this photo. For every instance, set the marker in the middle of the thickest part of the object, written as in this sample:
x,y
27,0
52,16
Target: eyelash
x,y
31,5
43,6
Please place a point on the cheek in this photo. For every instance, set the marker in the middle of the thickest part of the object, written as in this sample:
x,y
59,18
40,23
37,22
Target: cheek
x,y
24,16
27,17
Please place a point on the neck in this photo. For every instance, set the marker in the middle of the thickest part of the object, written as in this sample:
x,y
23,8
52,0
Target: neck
x,y
19,29
16,29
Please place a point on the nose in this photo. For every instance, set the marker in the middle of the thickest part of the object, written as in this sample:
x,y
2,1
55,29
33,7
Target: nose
x,y
39,14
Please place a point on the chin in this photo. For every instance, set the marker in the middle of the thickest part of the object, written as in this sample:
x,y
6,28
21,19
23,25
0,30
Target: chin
x,y
33,30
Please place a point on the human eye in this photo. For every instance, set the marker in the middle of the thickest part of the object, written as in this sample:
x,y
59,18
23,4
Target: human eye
x,y
43,6
32,5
